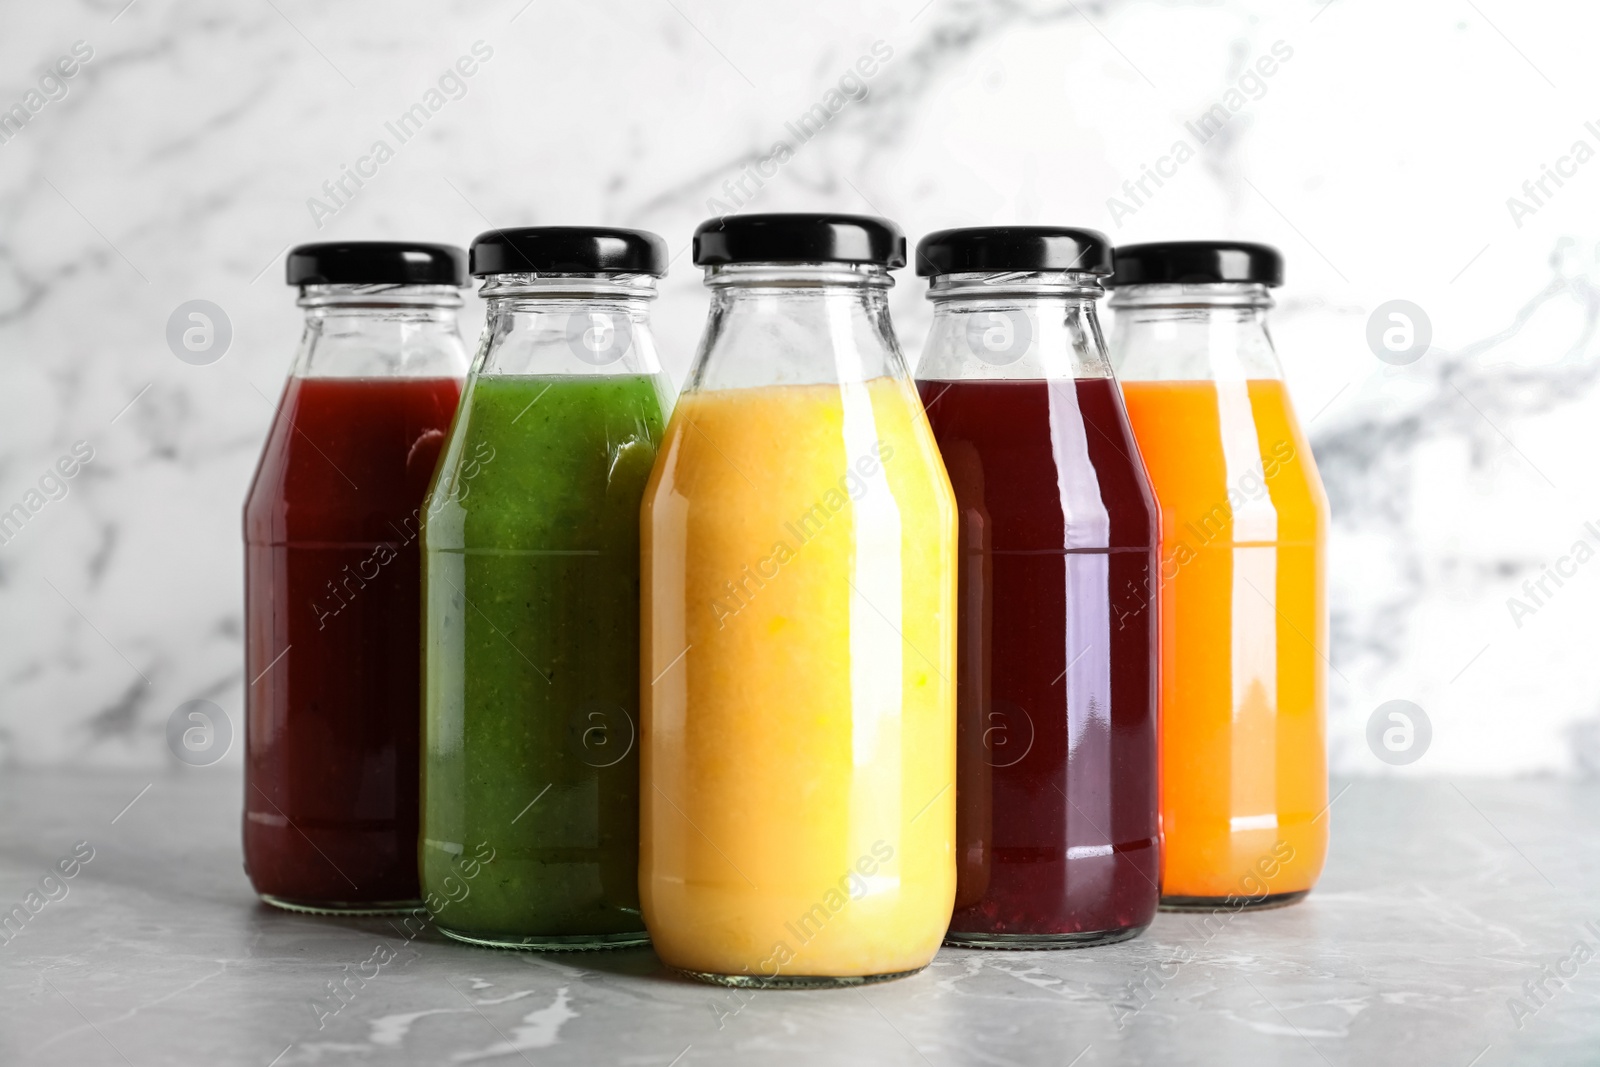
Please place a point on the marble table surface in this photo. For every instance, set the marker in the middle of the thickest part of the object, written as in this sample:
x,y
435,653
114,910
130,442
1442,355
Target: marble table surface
x,y
1455,925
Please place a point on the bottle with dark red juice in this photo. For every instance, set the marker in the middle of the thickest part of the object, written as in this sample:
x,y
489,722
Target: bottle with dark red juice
x,y
1056,791
332,608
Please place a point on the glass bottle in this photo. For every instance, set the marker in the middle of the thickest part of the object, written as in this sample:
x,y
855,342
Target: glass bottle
x,y
1244,778
1056,835
530,784
799,634
331,566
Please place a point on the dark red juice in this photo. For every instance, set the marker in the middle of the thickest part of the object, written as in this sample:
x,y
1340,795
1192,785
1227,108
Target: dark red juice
x,y
1056,830
332,704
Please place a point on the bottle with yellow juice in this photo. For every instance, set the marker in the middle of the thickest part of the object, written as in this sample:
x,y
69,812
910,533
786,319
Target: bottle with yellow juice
x,y
798,654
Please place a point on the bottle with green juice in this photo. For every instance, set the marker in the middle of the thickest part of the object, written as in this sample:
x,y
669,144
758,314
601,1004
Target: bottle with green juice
x,y
530,769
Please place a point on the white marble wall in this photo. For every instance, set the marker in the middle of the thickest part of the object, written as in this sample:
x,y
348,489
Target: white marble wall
x,y
1379,156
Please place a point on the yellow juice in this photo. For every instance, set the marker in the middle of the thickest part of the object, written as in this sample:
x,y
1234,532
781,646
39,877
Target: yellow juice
x,y
798,680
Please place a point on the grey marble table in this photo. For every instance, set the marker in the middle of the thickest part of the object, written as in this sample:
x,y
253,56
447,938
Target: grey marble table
x,y
1451,927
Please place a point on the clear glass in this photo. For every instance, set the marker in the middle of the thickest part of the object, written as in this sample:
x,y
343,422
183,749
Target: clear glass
x,y
380,331
1056,833
1215,332
530,823
1243,600
331,598
1018,326
798,771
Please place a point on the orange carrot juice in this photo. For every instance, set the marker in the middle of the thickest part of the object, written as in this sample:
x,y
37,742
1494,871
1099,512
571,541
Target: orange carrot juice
x,y
798,760
1243,639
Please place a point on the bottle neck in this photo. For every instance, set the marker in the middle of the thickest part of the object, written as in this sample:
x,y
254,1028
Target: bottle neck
x,y
568,324
796,324
1017,326
1214,332
380,331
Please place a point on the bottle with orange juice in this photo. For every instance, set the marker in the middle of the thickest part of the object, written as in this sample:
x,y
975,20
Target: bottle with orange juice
x,y
798,743
1241,585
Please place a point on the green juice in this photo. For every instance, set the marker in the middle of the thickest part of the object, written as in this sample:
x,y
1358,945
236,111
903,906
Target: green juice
x,y
530,779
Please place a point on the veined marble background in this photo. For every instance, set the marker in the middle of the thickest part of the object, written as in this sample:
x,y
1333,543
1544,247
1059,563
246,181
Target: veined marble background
x,y
178,161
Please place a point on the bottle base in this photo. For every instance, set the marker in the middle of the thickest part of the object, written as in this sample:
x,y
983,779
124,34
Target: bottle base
x,y
1233,903
794,981
1086,939
343,907
548,943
